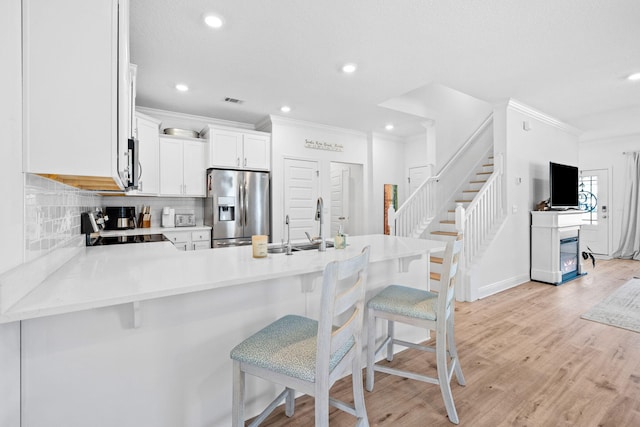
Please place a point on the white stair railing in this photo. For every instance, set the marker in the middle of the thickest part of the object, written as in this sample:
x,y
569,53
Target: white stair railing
x,y
484,213
417,212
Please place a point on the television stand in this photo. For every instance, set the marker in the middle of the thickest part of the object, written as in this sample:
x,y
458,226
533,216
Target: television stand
x,y
555,246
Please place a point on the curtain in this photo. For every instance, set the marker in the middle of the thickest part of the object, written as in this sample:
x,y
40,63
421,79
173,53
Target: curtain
x,y
629,247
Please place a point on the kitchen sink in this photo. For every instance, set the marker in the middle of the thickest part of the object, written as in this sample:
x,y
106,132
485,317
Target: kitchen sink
x,y
278,248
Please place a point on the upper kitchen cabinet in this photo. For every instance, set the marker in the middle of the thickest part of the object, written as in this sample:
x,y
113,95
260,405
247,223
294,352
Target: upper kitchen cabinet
x,y
238,149
77,89
182,166
147,131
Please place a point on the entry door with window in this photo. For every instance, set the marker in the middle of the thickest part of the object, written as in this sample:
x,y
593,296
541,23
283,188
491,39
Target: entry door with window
x,y
301,191
593,199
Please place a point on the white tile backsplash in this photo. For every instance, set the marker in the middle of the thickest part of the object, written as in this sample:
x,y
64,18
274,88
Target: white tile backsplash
x,y
52,214
180,204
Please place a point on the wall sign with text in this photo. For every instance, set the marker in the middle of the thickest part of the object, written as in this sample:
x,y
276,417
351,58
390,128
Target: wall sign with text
x,y
320,145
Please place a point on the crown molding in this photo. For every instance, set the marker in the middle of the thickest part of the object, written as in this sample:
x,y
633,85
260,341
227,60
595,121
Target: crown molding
x,y
160,114
286,121
542,117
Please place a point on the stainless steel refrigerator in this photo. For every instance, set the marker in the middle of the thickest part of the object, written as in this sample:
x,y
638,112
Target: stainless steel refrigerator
x,y
237,206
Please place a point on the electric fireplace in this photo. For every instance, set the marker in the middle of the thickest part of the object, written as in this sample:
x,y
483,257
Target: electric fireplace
x,y
569,258
555,246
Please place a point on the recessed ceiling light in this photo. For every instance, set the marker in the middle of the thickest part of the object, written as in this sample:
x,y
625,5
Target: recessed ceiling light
x,y
389,127
285,108
349,68
213,21
182,87
633,77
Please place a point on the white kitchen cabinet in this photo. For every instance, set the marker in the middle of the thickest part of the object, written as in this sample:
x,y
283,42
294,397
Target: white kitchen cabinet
x,y
182,167
201,240
147,130
238,149
180,239
71,66
190,240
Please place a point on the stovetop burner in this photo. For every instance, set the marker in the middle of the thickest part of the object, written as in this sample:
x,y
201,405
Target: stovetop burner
x,y
118,240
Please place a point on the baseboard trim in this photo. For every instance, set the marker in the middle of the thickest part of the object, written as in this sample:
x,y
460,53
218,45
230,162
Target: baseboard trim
x,y
503,285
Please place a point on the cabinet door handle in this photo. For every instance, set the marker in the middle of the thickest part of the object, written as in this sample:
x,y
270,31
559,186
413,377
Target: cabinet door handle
x,y
237,161
245,161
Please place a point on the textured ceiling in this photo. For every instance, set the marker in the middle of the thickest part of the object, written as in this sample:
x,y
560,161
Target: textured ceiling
x,y
566,58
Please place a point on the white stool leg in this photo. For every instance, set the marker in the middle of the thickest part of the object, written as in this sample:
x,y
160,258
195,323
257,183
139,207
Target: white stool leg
x,y
371,347
390,334
443,375
290,402
358,393
237,414
322,405
453,350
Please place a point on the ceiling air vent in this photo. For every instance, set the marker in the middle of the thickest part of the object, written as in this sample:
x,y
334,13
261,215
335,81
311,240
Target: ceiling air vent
x,y
233,100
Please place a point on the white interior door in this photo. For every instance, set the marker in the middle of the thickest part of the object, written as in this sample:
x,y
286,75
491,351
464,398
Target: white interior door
x,y
340,197
594,199
301,191
417,176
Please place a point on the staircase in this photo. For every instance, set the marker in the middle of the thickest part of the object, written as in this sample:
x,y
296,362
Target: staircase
x,y
458,199
445,228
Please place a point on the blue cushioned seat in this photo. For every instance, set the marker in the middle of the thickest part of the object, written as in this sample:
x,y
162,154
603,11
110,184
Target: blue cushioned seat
x,y
287,346
406,301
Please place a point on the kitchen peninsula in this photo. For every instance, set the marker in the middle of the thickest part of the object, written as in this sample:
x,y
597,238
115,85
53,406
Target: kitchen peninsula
x,y
140,334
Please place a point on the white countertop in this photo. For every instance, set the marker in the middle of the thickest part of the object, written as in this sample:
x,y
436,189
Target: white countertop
x,y
109,275
152,230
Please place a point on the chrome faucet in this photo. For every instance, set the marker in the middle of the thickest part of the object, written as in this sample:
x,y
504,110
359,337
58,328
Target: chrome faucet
x,y
286,221
320,218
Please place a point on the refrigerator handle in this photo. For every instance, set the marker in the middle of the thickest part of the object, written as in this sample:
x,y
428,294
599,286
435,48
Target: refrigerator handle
x,y
240,205
244,202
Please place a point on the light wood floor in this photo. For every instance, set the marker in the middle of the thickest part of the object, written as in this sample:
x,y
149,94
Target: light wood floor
x,y
528,358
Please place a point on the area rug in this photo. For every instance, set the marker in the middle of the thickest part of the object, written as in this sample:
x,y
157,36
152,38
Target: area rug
x,y
620,309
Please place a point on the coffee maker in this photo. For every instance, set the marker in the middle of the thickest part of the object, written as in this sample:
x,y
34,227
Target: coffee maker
x,y
120,217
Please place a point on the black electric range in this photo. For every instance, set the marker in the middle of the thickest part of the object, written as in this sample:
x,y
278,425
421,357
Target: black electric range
x,y
119,240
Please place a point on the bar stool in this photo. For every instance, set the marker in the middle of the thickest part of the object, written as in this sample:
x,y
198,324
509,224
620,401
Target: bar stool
x,y
429,310
307,355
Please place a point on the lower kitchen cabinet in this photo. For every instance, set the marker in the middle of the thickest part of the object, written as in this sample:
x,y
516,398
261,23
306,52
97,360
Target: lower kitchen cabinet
x,y
190,240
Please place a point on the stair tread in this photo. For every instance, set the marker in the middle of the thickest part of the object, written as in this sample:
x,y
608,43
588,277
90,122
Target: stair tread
x,y
464,201
434,276
487,164
484,173
478,181
470,191
437,260
448,221
445,233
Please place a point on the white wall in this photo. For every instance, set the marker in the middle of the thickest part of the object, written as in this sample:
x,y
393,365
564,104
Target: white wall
x,y
12,186
388,167
288,141
527,154
607,154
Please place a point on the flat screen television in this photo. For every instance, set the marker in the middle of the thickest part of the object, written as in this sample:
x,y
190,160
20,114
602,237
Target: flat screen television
x,y
563,183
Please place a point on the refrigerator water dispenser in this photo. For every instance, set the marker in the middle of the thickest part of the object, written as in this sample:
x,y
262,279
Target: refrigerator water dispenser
x,y
226,209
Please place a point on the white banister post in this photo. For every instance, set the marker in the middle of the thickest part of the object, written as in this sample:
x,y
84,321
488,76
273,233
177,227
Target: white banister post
x,y
462,286
460,217
391,220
